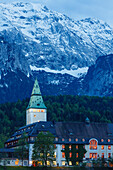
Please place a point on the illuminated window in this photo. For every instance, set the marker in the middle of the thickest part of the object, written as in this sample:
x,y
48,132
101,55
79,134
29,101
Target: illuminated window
x,y
69,146
76,140
63,155
102,140
70,163
109,147
63,163
54,163
55,155
109,155
102,155
93,144
34,115
102,147
38,110
76,155
34,110
93,155
70,154
42,110
76,146
83,140
63,146
62,139
69,139
108,140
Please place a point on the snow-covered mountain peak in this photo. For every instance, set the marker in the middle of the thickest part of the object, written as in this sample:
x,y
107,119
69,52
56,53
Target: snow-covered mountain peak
x,y
60,42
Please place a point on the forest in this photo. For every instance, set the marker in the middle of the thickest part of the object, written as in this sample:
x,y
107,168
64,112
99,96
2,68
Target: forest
x,y
59,108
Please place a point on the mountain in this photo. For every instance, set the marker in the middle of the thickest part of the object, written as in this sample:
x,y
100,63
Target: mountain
x,y
38,42
99,79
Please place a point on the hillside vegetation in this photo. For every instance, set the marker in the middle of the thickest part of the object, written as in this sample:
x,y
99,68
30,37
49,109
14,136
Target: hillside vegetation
x,y
59,108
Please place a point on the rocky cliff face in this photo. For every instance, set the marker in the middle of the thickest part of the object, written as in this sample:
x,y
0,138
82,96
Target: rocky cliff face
x,y
36,41
99,79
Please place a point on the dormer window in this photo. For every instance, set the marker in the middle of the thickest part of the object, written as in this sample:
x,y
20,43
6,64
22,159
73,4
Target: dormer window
x,y
108,140
62,139
69,139
83,140
102,140
76,140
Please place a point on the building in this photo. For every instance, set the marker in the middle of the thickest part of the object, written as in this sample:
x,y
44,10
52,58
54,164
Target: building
x,y
97,138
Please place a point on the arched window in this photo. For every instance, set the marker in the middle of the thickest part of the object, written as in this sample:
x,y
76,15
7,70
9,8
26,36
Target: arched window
x,y
93,144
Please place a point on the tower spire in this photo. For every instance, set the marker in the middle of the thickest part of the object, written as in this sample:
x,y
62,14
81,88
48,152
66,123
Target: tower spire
x,y
36,110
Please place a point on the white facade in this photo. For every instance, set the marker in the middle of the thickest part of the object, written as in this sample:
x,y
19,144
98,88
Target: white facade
x,y
35,115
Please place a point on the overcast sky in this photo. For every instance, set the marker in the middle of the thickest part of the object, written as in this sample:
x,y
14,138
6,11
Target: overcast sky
x,y
79,9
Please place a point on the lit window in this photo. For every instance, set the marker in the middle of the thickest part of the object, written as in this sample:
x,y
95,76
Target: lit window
x,y
108,140
93,155
70,163
63,155
69,139
102,147
34,115
109,155
63,163
70,154
63,146
102,155
109,147
76,155
76,146
69,146
83,140
38,110
102,140
93,144
76,140
34,110
62,139
54,163
42,110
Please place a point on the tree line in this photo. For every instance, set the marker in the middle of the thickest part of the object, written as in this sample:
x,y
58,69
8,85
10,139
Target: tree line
x,y
59,108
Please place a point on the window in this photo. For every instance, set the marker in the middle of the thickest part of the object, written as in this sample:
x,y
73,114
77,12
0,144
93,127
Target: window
x,y
70,154
83,140
109,155
102,140
63,155
102,147
93,155
62,139
76,146
69,139
42,110
102,155
108,140
56,139
63,146
34,115
76,140
76,155
69,146
63,163
109,147
93,144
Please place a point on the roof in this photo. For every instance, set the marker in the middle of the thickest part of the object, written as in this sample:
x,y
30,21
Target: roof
x,y
7,150
36,100
66,130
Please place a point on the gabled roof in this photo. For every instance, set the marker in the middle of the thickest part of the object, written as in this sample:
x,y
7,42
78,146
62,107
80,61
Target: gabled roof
x,y
36,100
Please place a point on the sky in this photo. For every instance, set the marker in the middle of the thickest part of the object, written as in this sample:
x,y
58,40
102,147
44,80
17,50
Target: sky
x,y
79,9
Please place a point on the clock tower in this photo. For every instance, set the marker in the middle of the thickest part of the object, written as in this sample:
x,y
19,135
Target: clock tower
x,y
36,110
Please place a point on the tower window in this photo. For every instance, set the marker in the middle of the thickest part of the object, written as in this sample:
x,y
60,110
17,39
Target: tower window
x,y
34,115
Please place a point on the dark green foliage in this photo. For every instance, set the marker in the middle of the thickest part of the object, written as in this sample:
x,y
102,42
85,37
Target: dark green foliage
x,y
22,150
77,151
43,148
59,108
